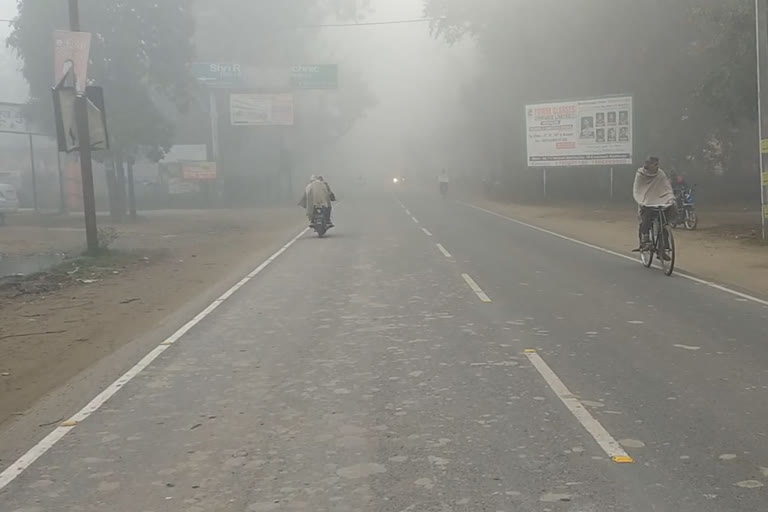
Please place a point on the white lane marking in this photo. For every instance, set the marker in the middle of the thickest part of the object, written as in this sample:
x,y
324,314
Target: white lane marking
x,y
614,253
407,211
426,231
48,442
475,288
687,347
444,251
415,219
606,441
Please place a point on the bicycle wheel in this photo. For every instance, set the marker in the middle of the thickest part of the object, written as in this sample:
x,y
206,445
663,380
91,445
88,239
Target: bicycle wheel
x,y
646,256
668,264
691,220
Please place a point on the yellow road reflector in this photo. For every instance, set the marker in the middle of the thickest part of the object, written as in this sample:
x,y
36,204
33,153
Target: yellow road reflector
x,y
530,351
623,459
69,423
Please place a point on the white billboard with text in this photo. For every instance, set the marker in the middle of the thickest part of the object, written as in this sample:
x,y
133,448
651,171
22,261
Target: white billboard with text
x,y
581,132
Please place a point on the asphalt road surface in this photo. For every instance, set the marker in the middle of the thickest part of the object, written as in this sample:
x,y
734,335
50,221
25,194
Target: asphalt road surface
x,y
429,356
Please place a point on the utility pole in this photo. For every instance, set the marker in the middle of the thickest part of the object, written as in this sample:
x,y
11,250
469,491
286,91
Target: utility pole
x,y
761,40
84,138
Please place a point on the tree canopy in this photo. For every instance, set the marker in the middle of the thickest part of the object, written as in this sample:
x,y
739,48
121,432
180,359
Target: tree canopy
x,y
690,66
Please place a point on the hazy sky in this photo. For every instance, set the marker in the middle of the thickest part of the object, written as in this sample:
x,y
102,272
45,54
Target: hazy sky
x,y
7,9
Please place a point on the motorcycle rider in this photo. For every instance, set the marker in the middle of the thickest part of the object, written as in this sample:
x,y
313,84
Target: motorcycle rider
x,y
652,189
332,198
317,193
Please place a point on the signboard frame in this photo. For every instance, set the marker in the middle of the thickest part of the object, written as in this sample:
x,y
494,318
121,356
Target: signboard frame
x,y
597,131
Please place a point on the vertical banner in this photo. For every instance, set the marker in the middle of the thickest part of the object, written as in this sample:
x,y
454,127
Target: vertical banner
x,y
71,53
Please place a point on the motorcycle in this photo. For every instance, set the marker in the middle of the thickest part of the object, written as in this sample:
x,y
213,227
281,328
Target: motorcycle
x,y
319,221
686,209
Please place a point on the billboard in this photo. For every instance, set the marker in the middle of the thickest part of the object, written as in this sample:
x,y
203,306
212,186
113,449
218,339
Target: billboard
x,y
252,109
198,171
12,118
581,132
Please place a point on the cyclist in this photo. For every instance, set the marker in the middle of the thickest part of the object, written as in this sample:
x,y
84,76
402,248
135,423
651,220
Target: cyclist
x,y
652,189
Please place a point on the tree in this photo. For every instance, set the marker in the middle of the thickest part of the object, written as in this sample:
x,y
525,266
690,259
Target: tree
x,y
268,37
140,53
688,64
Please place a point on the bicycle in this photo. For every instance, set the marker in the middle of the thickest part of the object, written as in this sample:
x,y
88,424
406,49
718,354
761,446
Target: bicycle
x,y
662,242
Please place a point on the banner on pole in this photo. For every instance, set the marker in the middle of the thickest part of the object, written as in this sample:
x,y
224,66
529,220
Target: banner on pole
x,y
71,53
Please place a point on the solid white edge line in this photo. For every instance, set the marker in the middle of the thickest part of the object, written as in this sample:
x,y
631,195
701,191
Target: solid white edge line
x,y
444,251
684,275
49,441
606,441
475,288
426,231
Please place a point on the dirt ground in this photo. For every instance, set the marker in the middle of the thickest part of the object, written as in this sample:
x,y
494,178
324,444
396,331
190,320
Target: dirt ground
x,y
59,323
726,247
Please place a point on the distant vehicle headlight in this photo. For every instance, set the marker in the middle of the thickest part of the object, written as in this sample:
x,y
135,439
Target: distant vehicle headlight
x,y
395,180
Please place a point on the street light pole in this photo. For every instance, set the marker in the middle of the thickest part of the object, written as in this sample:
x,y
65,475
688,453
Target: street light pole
x,y
761,40
84,140
74,16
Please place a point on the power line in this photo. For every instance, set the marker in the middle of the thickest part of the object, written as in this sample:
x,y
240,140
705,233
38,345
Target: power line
x,y
370,23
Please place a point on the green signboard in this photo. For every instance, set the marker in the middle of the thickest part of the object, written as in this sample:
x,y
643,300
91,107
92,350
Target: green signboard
x,y
315,77
217,73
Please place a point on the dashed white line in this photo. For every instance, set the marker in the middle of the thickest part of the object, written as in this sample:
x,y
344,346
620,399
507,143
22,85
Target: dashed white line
x,y
37,451
475,288
426,231
415,219
606,441
444,251
407,211
614,253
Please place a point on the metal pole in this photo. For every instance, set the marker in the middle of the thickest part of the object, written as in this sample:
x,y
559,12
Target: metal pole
x,y
611,175
131,190
74,16
214,128
34,173
761,41
84,140
62,195
544,178
86,169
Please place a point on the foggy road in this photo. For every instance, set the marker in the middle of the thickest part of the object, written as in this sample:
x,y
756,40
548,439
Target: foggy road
x,y
430,356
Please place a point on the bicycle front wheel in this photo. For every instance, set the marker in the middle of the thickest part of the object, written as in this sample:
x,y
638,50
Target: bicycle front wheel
x,y
668,262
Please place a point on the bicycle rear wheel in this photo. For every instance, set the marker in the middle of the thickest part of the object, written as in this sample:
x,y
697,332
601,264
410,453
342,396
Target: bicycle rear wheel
x,y
668,264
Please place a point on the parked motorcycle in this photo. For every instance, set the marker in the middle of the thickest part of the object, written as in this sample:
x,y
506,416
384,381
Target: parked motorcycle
x,y
686,208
